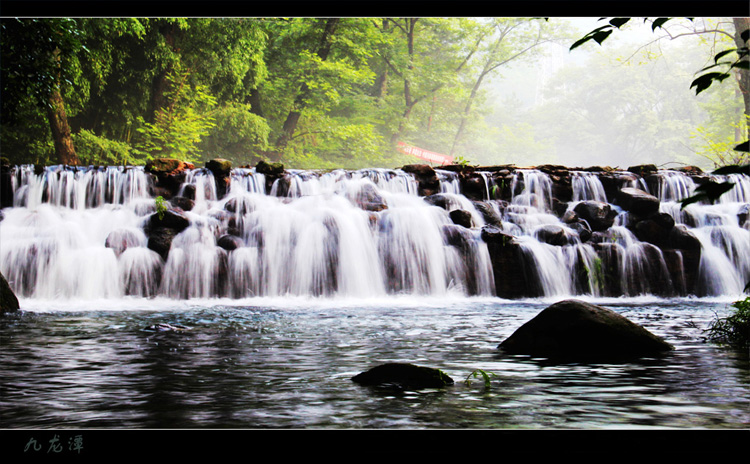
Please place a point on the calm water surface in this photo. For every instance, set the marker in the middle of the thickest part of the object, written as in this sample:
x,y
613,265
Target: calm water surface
x,y
288,363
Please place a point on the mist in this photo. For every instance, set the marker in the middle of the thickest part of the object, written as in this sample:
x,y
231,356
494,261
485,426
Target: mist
x,y
625,102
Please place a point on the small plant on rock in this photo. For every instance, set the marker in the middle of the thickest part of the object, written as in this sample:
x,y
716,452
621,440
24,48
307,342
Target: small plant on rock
x,y
161,207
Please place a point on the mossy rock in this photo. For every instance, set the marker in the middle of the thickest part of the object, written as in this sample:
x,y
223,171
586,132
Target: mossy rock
x,y
403,376
219,166
167,166
273,169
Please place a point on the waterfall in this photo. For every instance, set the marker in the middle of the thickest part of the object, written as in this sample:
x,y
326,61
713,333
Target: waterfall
x,y
587,186
84,233
91,232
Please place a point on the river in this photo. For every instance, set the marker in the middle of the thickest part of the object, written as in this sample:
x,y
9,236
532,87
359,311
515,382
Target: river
x,y
287,364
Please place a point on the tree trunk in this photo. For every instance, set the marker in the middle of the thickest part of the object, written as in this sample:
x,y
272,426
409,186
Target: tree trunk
x,y
467,110
292,119
741,25
58,123
160,84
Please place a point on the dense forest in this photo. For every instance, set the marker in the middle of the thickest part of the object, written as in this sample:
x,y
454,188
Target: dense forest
x,y
342,92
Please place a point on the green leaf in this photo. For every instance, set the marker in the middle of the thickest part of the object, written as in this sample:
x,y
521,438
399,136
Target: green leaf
x,y
659,22
705,81
733,169
724,53
744,146
601,36
618,22
710,191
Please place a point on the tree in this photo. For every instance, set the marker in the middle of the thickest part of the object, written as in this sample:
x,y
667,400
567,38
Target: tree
x,y
39,62
507,39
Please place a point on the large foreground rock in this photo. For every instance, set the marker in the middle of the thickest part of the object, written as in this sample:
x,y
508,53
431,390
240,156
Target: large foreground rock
x,y
404,376
8,300
573,330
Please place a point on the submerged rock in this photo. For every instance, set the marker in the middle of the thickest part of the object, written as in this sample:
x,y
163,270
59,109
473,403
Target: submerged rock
x,y
573,330
403,376
164,327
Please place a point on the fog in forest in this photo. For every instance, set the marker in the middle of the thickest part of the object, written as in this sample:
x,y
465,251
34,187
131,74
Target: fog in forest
x,y
627,101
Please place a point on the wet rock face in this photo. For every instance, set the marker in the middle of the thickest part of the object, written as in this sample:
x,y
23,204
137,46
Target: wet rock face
x,y
169,174
573,330
8,300
429,184
637,201
461,217
599,215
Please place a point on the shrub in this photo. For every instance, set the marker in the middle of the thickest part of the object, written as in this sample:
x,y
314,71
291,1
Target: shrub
x,y
734,329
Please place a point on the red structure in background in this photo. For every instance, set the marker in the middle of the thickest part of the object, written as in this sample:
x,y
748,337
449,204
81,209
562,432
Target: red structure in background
x,y
425,154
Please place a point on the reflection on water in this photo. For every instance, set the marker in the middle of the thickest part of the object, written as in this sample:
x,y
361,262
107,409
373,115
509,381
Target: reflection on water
x,y
288,364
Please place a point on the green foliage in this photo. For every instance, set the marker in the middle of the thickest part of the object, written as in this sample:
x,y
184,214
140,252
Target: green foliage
x,y
486,377
733,330
93,149
461,161
161,207
237,135
180,125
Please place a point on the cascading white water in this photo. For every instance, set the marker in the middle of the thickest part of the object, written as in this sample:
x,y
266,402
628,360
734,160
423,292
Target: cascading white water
x,y
82,233
587,186
363,233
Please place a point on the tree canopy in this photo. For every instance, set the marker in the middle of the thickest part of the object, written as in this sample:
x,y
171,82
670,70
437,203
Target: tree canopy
x,y
342,92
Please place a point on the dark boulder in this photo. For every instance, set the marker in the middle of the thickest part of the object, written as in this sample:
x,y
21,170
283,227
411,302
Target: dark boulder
x,y
230,242
403,376
171,219
219,167
184,203
160,240
461,217
170,175
6,186
368,198
512,278
637,201
573,330
554,235
272,173
488,213
582,229
269,169
599,215
8,300
426,177
643,170
474,186
440,200
655,230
